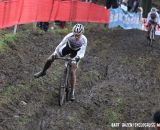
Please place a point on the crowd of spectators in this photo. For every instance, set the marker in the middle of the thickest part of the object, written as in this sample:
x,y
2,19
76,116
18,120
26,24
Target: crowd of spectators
x,y
132,6
45,25
127,5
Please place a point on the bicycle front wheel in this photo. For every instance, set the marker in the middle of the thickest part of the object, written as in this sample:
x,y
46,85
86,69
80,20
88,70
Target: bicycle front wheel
x,y
62,89
152,35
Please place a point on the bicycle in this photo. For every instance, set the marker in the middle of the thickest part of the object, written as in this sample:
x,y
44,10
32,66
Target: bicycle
x,y
65,83
151,34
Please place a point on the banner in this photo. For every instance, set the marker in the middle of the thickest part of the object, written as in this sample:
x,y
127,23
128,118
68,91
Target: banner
x,y
26,11
126,20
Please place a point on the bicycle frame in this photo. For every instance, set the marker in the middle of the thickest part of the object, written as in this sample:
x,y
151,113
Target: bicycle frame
x,y
65,85
152,34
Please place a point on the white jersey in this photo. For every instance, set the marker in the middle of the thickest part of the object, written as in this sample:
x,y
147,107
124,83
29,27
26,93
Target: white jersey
x,y
74,44
156,19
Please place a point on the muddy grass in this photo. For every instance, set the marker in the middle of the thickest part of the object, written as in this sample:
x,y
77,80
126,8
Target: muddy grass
x,y
118,81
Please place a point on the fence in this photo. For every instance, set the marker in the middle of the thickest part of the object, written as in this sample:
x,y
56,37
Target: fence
x,y
14,12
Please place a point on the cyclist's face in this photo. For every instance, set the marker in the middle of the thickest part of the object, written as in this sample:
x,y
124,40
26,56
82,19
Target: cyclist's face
x,y
77,36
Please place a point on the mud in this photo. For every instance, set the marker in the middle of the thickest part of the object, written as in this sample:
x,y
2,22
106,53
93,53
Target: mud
x,y
118,81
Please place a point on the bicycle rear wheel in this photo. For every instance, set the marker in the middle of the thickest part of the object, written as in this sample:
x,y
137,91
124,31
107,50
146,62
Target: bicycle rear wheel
x,y
151,42
62,88
151,36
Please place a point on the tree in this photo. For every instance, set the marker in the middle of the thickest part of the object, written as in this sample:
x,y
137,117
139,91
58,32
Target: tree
x,y
146,4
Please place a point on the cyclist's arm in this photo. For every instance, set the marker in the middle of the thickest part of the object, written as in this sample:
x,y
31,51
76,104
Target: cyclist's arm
x,y
82,51
64,41
157,18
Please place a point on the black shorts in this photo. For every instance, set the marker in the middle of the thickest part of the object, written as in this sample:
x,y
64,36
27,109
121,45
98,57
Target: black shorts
x,y
68,51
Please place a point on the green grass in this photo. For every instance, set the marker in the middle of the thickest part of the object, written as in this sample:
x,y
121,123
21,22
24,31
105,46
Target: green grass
x,y
9,38
142,61
112,116
139,61
24,120
115,115
59,31
12,92
73,117
91,77
7,41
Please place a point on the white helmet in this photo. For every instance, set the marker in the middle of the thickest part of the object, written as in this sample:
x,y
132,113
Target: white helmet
x,y
78,29
153,9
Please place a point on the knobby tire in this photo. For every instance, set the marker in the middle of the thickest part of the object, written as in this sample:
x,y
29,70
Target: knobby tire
x,y
151,37
64,90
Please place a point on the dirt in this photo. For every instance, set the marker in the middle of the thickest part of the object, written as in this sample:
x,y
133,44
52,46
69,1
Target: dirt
x,y
118,81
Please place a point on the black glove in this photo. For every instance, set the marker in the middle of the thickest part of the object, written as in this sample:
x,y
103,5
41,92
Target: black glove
x,y
77,59
55,56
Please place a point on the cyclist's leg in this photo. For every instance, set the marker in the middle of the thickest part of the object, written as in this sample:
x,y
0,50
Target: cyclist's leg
x,y
49,61
74,67
73,79
47,64
155,23
148,29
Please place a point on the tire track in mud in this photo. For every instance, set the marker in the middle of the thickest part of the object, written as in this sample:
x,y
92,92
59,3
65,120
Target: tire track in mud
x,y
118,79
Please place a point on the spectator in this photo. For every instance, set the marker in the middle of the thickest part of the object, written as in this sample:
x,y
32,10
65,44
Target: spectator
x,y
130,4
91,1
124,5
134,7
88,0
140,11
43,25
94,1
61,24
112,4
125,2
108,4
120,2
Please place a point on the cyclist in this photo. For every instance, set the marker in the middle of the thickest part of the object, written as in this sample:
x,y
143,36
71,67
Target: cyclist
x,y
152,18
74,44
156,118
